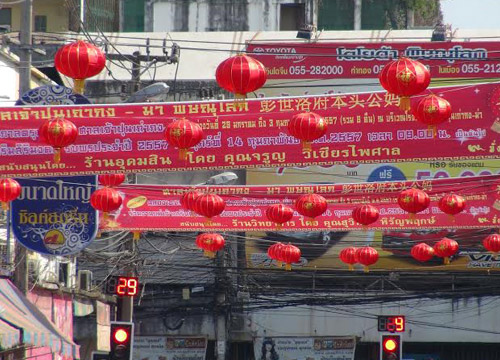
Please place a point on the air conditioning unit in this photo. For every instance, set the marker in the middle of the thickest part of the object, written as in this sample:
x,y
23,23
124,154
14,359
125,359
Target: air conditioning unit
x,y
84,280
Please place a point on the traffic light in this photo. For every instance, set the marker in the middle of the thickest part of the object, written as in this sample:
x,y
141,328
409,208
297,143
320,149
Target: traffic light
x,y
122,340
390,347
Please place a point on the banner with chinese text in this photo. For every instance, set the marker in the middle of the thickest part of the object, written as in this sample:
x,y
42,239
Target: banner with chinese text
x,y
362,128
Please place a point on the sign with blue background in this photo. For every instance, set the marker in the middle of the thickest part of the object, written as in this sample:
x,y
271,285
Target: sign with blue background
x,y
53,215
51,95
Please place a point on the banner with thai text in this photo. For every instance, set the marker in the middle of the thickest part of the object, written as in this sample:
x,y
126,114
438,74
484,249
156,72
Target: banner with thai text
x,y
305,348
362,128
169,348
333,60
157,207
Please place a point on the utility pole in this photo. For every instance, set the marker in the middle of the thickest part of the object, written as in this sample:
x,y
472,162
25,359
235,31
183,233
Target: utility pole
x,y
357,14
26,47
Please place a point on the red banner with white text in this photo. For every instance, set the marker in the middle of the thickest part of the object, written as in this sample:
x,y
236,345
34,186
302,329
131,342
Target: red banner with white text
x,y
157,207
362,128
341,60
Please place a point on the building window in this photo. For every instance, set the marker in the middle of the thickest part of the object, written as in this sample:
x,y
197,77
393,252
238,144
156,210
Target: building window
x,y
64,274
292,16
40,23
5,19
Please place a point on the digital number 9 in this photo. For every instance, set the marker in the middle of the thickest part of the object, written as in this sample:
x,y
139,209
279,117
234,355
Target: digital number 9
x,y
132,287
400,323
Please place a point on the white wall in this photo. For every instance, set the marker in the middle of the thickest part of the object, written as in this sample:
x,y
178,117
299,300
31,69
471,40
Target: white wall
x,y
428,320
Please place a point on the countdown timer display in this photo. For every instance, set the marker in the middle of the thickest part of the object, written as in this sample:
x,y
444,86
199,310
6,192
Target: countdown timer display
x,y
391,323
122,286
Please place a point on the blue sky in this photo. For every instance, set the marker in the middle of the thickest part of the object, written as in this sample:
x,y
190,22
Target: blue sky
x,y
471,14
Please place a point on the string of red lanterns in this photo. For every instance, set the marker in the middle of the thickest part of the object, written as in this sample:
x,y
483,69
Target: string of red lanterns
x,y
446,248
422,252
210,243
279,214
311,205
348,256
307,127
432,110
10,190
58,133
183,134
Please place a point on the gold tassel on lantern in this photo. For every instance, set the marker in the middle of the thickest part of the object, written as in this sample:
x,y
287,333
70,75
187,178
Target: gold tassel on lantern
x,y
279,263
57,155
306,146
183,154
446,260
136,235
209,254
433,128
288,267
366,269
404,103
78,86
5,206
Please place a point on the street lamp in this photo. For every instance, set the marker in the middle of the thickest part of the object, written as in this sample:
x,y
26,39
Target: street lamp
x,y
155,92
225,178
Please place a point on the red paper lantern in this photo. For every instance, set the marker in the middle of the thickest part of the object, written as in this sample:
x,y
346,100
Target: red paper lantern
x,y
404,77
311,205
183,134
492,243
422,252
452,204
432,110
209,205
111,180
307,127
289,254
367,256
413,201
445,248
188,199
58,133
348,256
365,214
79,61
241,74
274,253
210,243
106,200
279,214
9,190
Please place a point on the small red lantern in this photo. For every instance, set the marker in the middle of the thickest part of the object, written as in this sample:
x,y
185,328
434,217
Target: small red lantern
x,y
311,205
445,248
289,254
188,199
241,74
365,214
210,243
452,204
9,190
422,252
413,201
279,214
183,134
492,243
209,205
58,133
111,180
307,127
405,77
432,110
348,256
274,253
106,200
79,61
367,256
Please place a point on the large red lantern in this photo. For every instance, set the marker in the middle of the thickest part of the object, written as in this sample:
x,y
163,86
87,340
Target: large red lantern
x,y
452,204
79,61
209,205
348,256
188,199
432,110
422,252
413,201
111,180
274,253
58,133
241,74
289,254
311,205
365,214
445,248
279,214
405,77
183,134
106,200
9,190
210,243
307,127
492,243
367,256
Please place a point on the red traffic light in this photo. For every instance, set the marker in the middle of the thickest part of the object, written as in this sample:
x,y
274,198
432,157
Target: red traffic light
x,y
390,345
121,335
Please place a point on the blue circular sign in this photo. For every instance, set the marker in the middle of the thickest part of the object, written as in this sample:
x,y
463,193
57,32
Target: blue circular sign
x,y
386,173
52,95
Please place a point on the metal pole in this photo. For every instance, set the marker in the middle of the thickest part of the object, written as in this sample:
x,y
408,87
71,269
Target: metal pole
x,y
357,14
26,42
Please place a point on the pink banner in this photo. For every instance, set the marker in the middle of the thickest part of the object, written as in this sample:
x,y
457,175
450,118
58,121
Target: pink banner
x,y
156,207
362,128
333,60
